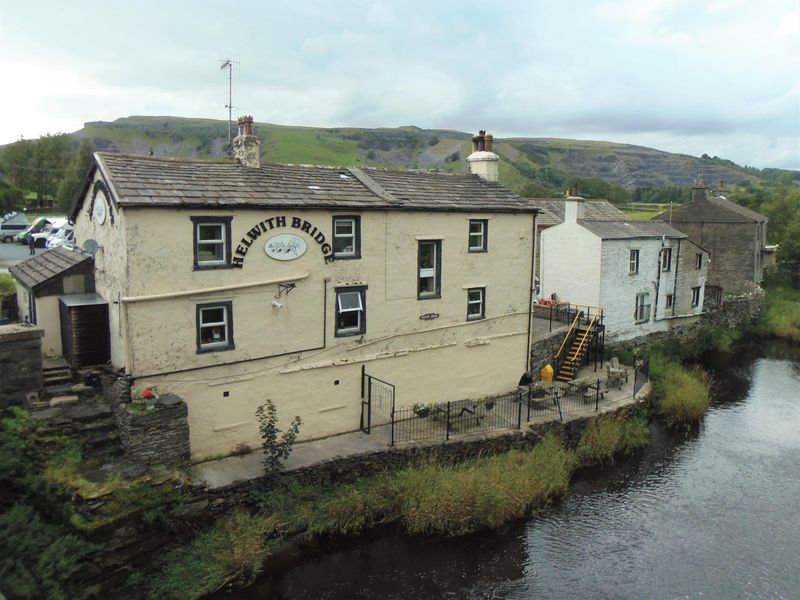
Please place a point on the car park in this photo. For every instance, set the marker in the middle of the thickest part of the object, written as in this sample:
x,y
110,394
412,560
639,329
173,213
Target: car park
x,y
50,229
36,227
64,236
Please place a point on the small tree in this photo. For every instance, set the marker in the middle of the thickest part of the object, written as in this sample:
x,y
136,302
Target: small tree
x,y
277,446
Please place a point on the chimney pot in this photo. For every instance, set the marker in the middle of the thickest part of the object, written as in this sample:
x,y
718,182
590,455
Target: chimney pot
x,y
246,146
488,140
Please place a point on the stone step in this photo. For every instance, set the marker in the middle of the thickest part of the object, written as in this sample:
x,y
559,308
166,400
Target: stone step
x,y
64,400
61,389
101,439
99,425
103,452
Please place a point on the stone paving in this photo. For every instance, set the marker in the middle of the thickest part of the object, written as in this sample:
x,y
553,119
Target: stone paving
x,y
223,472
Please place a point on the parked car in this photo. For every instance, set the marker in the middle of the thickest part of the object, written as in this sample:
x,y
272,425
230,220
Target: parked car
x,y
40,238
35,227
65,235
12,224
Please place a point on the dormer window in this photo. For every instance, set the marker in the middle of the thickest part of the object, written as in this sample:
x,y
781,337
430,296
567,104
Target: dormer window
x,y
212,242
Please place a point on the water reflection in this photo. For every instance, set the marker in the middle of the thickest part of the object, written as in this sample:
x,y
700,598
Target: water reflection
x,y
711,514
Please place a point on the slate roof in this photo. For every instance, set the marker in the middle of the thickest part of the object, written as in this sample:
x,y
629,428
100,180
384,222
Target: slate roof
x,y
712,209
39,270
154,181
620,230
595,210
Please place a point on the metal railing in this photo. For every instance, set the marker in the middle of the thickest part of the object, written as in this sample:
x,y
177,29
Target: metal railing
x,y
641,373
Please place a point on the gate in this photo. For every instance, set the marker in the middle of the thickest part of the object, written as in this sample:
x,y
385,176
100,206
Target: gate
x,y
641,373
377,401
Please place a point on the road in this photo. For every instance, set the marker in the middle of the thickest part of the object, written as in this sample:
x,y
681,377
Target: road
x,y
11,254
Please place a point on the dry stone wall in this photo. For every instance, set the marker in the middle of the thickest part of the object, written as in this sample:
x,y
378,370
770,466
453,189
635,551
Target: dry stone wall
x,y
20,363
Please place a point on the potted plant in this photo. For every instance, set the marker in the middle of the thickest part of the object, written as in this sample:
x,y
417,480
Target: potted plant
x,y
422,410
147,398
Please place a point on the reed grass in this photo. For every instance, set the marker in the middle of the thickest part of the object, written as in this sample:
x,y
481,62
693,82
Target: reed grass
x,y
682,394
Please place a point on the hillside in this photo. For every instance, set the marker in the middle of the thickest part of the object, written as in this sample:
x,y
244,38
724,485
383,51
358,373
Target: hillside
x,y
545,160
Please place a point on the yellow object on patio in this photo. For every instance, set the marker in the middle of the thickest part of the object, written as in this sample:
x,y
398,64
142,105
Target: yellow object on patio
x,y
546,374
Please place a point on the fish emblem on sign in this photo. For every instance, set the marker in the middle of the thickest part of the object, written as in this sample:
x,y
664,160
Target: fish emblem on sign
x,y
285,246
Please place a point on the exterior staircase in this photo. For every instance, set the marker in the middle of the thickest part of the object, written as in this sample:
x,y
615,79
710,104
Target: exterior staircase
x,y
577,342
575,354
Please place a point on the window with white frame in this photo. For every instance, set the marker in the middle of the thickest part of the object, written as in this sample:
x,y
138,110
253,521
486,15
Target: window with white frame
x,y
215,327
429,258
634,261
478,231
642,311
666,259
351,311
212,242
695,297
346,237
476,304
670,300
698,260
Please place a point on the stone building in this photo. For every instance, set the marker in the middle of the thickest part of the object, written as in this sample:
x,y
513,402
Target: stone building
x,y
734,235
645,274
231,282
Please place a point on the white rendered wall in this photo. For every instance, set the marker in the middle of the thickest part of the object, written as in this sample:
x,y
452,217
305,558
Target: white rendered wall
x,y
570,264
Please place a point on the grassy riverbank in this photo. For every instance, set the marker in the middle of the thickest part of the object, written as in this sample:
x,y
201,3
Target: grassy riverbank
x,y
681,394
430,498
781,319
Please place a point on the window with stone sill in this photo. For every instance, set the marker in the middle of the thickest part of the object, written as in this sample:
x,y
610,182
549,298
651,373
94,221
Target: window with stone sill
x,y
476,304
215,327
351,311
212,242
346,237
698,260
429,261
478,235
666,259
695,297
633,266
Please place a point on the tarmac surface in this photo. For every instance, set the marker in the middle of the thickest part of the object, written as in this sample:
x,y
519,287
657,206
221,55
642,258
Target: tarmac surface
x,y
11,254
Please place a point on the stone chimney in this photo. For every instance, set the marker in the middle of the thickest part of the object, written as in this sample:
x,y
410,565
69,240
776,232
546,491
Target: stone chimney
x,y
574,208
699,190
246,147
483,162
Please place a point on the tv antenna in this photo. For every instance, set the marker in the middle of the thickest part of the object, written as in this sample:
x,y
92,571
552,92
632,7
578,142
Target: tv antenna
x,y
227,63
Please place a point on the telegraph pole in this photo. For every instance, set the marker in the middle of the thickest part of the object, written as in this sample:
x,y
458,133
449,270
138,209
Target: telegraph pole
x,y
227,63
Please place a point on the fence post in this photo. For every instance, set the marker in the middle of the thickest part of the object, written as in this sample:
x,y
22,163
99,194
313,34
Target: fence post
x,y
447,422
597,396
519,414
558,404
392,442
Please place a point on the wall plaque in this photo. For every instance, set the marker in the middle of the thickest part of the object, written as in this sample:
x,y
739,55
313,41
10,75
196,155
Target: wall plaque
x,y
285,246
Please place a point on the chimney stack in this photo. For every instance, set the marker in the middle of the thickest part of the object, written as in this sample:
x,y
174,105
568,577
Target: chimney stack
x,y
246,146
574,208
699,190
483,162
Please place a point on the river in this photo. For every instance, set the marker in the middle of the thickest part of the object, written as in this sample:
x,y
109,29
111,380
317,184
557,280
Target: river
x,y
708,514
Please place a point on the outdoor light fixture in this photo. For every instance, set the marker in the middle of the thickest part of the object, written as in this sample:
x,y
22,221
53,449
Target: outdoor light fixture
x,y
277,304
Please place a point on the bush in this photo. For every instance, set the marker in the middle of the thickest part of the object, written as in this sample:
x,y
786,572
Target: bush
x,y
604,437
276,447
37,559
682,394
782,317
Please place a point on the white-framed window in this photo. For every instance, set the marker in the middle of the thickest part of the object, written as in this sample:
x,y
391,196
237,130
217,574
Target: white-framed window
x,y
666,259
642,310
670,300
212,242
634,261
351,311
476,304
429,259
698,260
215,327
347,237
695,297
478,235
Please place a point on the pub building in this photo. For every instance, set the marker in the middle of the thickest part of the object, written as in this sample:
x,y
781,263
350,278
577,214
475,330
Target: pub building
x,y
231,282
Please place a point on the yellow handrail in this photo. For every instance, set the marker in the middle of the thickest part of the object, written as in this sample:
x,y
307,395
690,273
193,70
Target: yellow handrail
x,y
566,337
585,336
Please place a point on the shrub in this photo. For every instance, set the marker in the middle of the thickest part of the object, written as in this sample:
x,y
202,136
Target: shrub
x,y
277,446
37,559
682,394
604,437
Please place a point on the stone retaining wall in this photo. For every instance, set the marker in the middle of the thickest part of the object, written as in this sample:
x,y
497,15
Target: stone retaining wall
x,y
20,363
155,437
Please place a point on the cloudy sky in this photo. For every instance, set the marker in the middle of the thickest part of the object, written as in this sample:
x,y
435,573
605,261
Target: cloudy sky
x,y
696,76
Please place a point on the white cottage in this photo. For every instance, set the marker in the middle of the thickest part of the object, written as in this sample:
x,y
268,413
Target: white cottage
x,y
645,274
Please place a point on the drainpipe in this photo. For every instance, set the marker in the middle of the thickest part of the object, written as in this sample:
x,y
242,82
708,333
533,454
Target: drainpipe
x,y
658,279
675,283
530,296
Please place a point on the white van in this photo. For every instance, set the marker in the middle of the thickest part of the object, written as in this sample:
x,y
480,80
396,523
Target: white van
x,y
40,239
64,236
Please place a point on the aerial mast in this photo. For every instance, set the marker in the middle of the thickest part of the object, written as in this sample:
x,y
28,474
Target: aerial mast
x,y
227,63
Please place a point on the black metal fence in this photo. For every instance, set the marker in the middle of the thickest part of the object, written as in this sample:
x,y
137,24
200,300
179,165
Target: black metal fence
x,y
641,373
508,411
377,401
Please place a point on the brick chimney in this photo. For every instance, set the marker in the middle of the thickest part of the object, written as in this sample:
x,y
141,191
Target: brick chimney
x,y
483,162
699,190
246,147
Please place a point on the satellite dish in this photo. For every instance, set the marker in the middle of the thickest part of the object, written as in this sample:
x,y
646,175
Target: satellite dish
x,y
90,247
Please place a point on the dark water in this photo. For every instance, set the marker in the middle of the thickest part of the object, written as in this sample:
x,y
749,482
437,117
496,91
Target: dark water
x,y
711,514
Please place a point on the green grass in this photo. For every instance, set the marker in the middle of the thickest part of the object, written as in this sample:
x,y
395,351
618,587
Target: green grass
x,y
782,317
431,498
682,394
308,146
